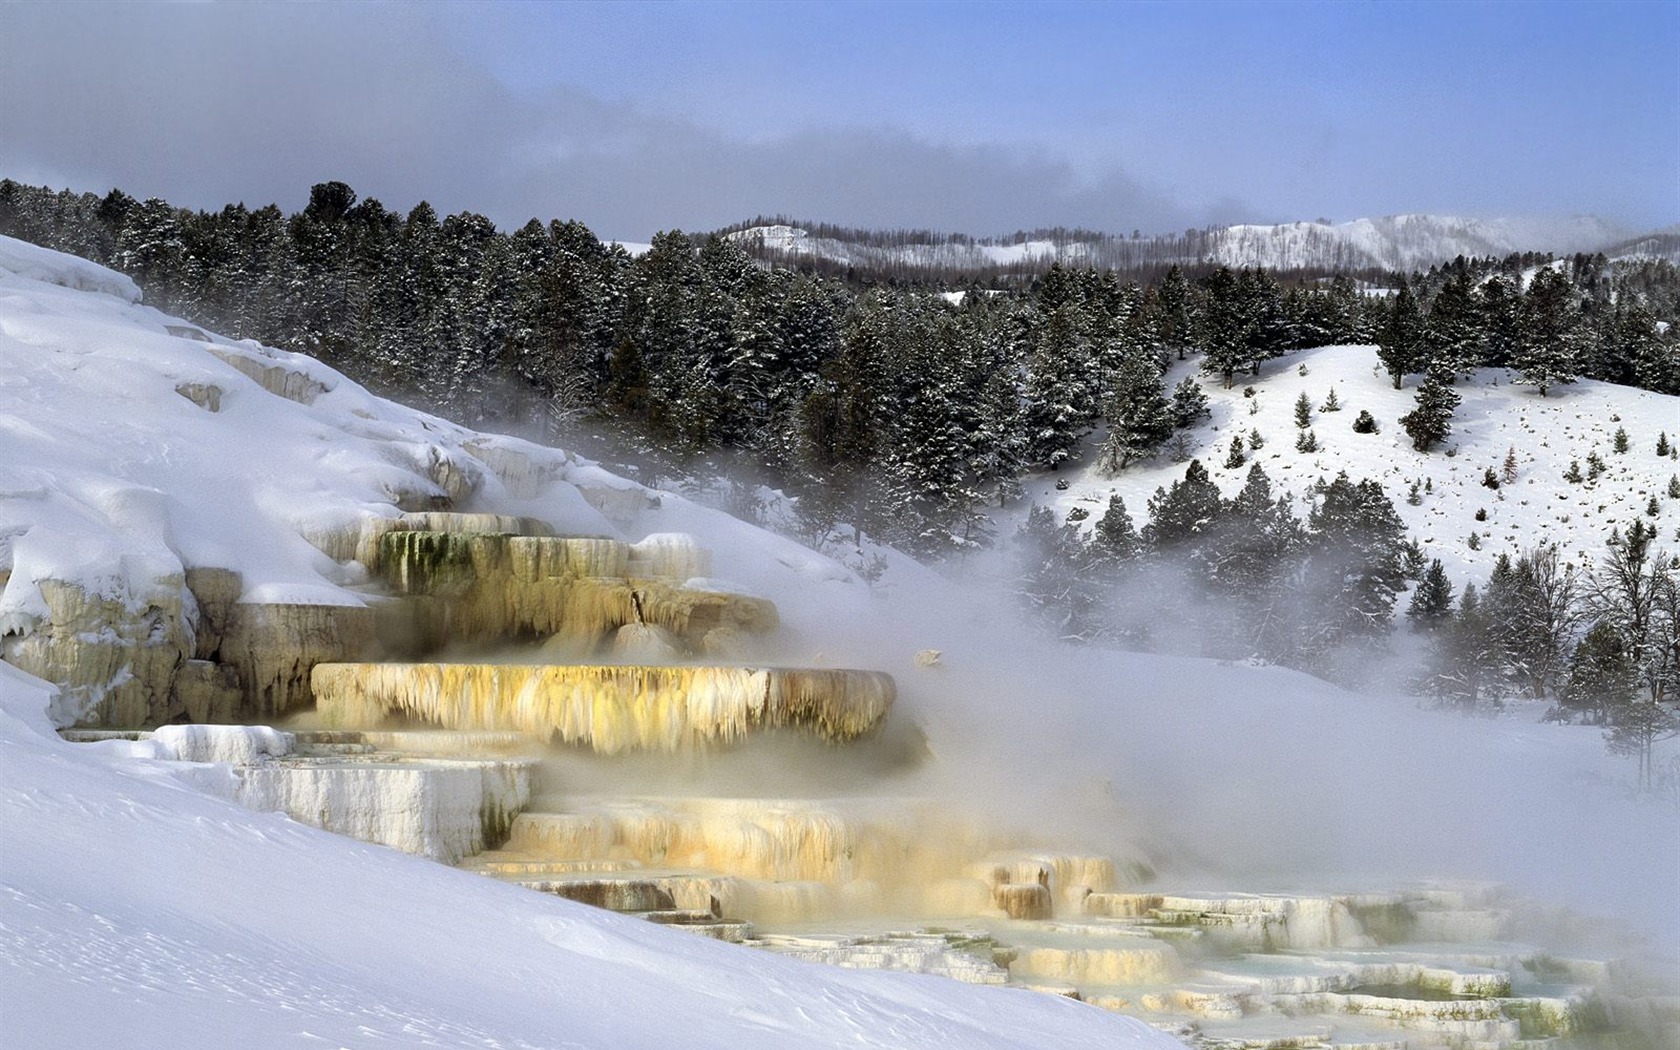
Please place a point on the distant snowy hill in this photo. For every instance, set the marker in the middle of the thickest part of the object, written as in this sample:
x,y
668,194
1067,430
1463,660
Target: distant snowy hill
x,y
1403,242
1400,242
1497,418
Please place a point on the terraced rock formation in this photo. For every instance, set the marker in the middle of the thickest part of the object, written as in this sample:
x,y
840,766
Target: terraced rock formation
x,y
447,759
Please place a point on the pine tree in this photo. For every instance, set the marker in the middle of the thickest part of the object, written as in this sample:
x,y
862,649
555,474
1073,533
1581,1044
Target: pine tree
x,y
1620,442
1306,441
1431,421
1432,598
1365,423
1189,404
1353,566
1453,333
1054,589
1662,443
1303,410
1331,404
1057,411
1601,676
1183,516
1550,342
1173,308
1235,457
1139,416
1115,539
1400,341
1508,472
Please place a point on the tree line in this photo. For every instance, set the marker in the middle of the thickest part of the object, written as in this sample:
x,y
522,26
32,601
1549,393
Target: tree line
x,y
1604,645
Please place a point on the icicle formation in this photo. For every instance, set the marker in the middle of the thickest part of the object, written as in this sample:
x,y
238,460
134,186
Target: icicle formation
x,y
609,709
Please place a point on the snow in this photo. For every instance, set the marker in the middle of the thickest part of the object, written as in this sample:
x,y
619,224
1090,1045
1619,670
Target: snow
x,y
67,271
137,909
1395,242
1403,242
1497,416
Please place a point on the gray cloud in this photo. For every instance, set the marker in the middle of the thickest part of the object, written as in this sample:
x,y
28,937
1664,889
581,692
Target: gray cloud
x,y
209,104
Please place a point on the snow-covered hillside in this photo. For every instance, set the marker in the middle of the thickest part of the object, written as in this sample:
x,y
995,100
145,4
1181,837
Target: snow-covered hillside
x,y
138,907
1396,242
1403,242
794,241
1497,418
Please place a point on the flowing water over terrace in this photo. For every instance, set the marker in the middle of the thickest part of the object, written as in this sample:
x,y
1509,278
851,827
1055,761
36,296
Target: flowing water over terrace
x,y
636,787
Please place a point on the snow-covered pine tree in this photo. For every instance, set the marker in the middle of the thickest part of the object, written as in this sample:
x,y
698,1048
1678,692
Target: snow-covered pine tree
x,y
1432,598
1400,345
1138,413
1453,334
1189,403
1353,564
1431,421
1060,379
1115,539
1549,343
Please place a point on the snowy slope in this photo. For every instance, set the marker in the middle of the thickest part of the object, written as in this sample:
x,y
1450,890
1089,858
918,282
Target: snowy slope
x,y
136,910
1396,242
1496,416
1403,242
795,241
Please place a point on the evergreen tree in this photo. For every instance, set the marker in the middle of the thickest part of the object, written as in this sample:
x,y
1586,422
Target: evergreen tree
x,y
1431,421
1115,539
1453,334
1058,392
1182,516
1189,404
1549,342
1139,416
1601,674
1173,310
1051,581
1432,598
1353,567
1235,458
1400,345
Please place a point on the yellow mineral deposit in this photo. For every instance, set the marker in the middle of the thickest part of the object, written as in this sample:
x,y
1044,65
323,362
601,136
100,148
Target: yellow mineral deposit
x,y
609,709
1132,960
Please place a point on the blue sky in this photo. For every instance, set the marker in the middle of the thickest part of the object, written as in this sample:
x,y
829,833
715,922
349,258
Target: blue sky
x,y
983,118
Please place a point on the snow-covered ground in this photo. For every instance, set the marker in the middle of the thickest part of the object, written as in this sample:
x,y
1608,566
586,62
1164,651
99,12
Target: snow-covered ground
x,y
1496,417
138,908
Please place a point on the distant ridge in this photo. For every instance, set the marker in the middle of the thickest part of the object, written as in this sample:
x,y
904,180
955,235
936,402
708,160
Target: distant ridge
x,y
1398,242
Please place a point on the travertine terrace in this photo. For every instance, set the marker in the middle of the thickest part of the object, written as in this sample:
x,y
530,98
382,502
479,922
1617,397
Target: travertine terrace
x,y
446,759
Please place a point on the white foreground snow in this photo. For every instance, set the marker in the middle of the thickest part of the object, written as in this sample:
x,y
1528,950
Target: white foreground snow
x,y
136,911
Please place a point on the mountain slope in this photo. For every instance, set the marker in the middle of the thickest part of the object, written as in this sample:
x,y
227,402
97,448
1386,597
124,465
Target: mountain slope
x,y
1498,417
1399,242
